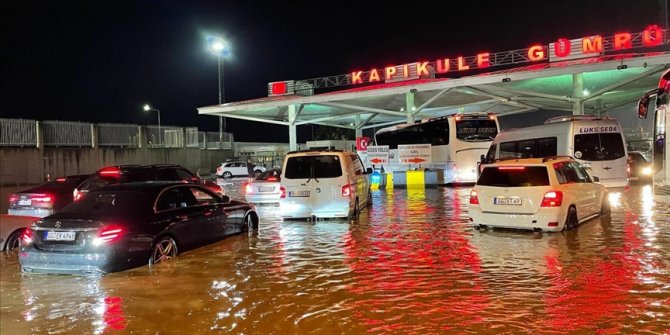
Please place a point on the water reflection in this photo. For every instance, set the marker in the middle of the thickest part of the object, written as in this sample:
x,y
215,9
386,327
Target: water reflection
x,y
410,264
73,304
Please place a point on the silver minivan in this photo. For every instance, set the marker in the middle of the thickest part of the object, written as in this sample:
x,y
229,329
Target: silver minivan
x,y
323,184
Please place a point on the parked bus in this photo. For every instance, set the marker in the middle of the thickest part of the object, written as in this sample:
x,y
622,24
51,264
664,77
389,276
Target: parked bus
x,y
660,146
457,142
596,142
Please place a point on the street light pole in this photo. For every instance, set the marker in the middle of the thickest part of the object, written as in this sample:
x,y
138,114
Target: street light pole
x,y
221,99
148,108
219,48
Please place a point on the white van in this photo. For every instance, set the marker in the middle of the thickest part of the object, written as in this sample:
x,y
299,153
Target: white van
x,y
595,142
323,184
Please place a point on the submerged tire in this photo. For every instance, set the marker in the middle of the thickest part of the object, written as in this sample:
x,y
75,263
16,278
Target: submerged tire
x,y
571,220
163,250
13,241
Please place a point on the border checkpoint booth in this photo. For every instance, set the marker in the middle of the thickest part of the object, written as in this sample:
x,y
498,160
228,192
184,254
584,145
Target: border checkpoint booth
x,y
592,75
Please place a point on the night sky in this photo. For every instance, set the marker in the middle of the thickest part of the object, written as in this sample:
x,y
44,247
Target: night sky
x,y
100,61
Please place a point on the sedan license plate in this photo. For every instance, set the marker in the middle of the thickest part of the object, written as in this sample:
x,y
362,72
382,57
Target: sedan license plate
x,y
507,201
266,189
25,202
60,235
298,193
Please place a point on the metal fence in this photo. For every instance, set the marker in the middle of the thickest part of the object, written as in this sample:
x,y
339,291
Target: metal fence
x,y
191,139
165,137
211,141
118,135
67,133
18,133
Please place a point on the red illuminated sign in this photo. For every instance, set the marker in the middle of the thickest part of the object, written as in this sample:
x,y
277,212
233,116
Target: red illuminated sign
x,y
562,49
278,88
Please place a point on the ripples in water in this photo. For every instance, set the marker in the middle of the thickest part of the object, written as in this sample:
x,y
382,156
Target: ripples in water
x,y
410,264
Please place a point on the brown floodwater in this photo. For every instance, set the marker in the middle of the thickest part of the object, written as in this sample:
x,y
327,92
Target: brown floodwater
x,y
410,265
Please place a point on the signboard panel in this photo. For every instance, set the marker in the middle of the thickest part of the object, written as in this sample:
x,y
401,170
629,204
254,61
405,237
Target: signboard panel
x,y
378,154
415,154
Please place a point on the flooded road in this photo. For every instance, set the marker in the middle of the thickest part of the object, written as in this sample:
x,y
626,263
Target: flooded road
x,y
410,265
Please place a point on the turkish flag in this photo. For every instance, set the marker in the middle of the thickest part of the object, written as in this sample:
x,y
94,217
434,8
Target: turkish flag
x,y
362,143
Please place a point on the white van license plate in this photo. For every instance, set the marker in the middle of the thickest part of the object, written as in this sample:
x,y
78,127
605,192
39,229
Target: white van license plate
x,y
298,193
507,201
60,236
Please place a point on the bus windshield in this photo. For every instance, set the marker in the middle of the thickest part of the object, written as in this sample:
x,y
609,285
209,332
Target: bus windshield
x,y
476,130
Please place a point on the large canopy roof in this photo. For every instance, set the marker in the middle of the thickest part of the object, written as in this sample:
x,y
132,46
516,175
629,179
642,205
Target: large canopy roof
x,y
608,83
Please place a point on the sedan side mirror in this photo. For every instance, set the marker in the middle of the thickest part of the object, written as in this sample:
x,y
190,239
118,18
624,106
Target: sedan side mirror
x,y
368,171
225,199
596,179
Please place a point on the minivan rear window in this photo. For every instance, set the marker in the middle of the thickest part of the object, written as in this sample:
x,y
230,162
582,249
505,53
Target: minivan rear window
x,y
599,147
305,167
514,176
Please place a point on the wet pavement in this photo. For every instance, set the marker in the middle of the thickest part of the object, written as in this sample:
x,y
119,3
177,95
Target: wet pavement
x,y
410,264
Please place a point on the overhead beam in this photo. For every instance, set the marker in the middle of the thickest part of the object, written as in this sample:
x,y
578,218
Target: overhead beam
x,y
369,119
361,108
519,111
626,81
432,99
326,118
335,125
297,114
523,92
384,124
477,91
257,119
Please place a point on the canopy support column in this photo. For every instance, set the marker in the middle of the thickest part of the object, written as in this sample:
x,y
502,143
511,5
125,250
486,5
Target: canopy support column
x,y
410,106
292,135
578,94
359,125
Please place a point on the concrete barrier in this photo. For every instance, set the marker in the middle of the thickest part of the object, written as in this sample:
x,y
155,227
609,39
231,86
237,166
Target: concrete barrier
x,y
419,178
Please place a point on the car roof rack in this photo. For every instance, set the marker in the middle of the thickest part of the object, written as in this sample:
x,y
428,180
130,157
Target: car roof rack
x,y
546,159
566,118
314,150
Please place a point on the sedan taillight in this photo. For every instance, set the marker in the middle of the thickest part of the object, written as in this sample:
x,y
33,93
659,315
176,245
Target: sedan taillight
x,y
552,199
27,236
473,198
248,189
109,234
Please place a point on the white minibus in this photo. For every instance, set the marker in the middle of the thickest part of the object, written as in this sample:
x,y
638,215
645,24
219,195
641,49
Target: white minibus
x,y
596,142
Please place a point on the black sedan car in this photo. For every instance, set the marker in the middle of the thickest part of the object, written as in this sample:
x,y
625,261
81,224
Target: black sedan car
x,y
126,225
45,199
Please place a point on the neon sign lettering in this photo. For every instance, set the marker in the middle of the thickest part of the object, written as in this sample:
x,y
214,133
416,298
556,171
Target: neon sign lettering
x,y
561,49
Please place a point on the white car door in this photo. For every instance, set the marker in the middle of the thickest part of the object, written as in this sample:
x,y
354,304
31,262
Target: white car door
x,y
587,193
241,169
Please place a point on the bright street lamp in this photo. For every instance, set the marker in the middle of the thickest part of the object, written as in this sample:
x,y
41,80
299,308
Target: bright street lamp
x,y
148,108
218,47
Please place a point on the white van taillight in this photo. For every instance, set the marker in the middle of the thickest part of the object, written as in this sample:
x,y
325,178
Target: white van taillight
x,y
473,198
346,190
282,192
552,199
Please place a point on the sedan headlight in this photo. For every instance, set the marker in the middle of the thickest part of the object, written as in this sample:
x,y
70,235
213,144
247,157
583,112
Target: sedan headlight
x,y
646,171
